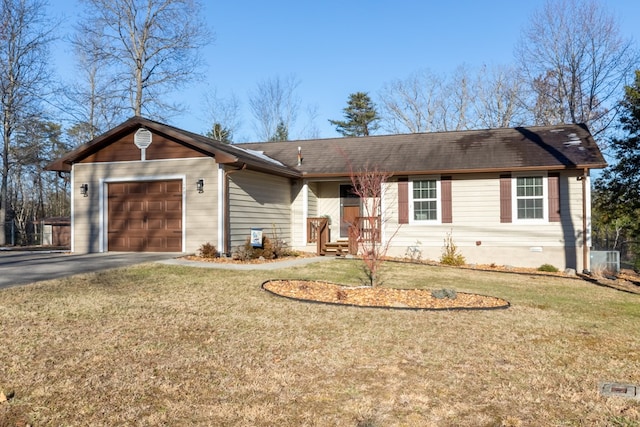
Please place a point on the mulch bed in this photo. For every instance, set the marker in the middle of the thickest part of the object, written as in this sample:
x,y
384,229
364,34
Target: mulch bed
x,y
330,293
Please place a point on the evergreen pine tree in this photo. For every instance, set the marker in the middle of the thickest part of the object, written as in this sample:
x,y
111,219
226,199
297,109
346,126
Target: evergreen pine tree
x,y
282,133
360,114
220,133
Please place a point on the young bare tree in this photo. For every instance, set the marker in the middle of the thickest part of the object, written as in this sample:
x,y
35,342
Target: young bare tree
x,y
274,104
576,62
25,36
370,185
150,47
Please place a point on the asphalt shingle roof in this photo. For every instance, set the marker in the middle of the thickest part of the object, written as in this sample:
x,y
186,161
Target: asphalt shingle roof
x,y
547,147
522,148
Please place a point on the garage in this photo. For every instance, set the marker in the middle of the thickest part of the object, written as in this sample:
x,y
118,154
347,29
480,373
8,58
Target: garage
x,y
145,216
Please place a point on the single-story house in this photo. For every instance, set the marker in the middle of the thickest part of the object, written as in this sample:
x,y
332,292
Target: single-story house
x,y
517,196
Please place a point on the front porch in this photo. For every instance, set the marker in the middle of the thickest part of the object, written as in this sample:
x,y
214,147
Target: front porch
x,y
363,229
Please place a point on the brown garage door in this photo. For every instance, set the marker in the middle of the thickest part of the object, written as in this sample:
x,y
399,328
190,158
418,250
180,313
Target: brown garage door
x,y
145,216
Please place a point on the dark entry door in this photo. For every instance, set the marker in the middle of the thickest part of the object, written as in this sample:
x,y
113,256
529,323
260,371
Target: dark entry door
x,y
349,209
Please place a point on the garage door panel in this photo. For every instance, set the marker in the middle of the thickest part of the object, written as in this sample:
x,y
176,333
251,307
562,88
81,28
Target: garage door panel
x,y
155,243
116,205
155,206
118,224
137,188
145,216
136,224
116,240
136,244
174,244
174,224
155,224
116,189
174,187
154,188
174,206
136,206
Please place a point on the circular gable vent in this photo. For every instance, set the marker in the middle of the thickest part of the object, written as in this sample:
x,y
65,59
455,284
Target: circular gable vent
x,y
142,138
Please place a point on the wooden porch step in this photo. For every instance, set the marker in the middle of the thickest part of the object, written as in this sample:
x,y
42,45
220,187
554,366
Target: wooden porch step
x,y
338,248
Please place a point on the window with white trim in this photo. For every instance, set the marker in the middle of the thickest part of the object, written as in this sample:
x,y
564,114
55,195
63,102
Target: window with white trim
x,y
425,200
530,198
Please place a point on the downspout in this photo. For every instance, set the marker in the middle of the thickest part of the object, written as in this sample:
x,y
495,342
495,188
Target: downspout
x,y
585,247
73,210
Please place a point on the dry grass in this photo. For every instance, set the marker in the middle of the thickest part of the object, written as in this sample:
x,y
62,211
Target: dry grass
x,y
164,345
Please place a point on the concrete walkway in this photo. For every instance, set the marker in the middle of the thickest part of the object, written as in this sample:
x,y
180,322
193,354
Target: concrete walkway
x,y
276,265
23,267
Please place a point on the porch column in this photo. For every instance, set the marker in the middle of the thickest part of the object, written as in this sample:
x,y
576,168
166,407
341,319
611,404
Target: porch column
x,y
305,211
221,207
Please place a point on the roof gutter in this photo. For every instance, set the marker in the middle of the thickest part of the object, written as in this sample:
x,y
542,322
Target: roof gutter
x,y
465,171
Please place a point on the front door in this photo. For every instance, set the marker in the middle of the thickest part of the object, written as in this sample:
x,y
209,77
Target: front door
x,y
349,209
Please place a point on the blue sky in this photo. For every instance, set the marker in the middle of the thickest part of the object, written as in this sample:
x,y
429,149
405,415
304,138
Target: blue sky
x,y
335,48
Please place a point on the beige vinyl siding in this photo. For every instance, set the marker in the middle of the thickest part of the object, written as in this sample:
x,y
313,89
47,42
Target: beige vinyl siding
x,y
480,236
329,204
298,221
297,214
199,209
258,200
313,200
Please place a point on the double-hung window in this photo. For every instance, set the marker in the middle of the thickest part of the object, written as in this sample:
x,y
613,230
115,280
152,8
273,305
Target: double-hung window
x,y
530,196
425,200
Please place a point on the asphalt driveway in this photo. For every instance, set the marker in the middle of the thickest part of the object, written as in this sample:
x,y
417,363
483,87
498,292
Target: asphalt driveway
x,y
19,268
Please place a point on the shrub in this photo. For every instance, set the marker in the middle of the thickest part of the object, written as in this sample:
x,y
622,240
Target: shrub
x,y
207,250
444,293
413,253
548,268
450,254
247,251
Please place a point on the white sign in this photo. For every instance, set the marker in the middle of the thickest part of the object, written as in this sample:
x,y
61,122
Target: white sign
x,y
256,237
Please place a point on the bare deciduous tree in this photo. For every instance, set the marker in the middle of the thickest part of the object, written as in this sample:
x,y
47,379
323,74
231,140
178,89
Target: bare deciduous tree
x,y
412,105
95,102
274,102
150,47
497,97
223,114
426,102
25,34
576,62
456,108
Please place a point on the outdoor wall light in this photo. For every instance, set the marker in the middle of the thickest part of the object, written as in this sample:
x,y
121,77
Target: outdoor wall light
x,y
200,185
84,189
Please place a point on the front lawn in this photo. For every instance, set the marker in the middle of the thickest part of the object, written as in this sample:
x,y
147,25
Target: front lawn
x,y
167,345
